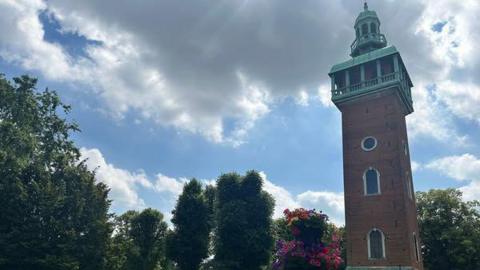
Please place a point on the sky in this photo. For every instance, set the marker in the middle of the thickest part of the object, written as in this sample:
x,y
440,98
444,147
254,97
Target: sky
x,y
165,91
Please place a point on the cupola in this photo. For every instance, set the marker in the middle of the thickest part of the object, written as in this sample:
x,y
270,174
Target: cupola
x,y
368,36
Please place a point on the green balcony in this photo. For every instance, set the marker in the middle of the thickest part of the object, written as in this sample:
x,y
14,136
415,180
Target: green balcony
x,y
369,73
367,43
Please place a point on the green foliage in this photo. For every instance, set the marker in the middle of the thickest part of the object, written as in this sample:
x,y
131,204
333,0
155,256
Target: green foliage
x,y
138,241
243,236
189,242
148,234
281,230
209,194
121,243
449,230
53,214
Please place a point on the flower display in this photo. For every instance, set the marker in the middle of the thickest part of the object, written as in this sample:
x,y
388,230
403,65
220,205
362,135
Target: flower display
x,y
307,251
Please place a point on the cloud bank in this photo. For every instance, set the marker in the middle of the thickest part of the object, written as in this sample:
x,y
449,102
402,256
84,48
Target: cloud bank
x,y
196,65
463,168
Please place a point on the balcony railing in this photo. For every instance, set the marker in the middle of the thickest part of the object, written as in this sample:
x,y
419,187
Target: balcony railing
x,y
374,83
372,37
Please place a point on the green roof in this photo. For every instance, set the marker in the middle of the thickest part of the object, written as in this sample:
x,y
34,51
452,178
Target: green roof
x,y
366,14
363,58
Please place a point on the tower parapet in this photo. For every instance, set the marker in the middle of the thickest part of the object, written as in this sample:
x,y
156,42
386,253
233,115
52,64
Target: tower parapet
x,y
371,72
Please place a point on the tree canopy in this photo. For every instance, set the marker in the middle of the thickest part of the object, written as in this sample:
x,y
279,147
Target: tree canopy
x,y
449,230
138,241
53,213
243,222
189,242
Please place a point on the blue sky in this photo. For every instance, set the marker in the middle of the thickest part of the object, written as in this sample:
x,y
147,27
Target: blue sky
x,y
164,92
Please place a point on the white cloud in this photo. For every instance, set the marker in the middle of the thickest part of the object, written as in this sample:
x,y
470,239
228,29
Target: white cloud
x,y
186,70
430,119
195,66
463,99
283,198
331,203
169,184
471,191
123,184
324,95
22,40
453,45
302,98
415,166
463,168
454,72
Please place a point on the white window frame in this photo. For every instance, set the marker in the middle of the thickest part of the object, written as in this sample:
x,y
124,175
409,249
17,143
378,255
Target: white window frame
x,y
374,146
365,182
383,245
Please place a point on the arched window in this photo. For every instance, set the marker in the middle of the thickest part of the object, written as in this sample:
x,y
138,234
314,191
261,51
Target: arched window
x,y
371,179
365,29
376,244
373,28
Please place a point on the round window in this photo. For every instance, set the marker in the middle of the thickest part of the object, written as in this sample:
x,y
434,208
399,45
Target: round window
x,y
369,143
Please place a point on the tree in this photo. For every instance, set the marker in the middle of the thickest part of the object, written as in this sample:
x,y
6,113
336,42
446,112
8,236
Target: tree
x,y
449,230
121,244
138,241
209,194
281,230
243,236
53,213
189,242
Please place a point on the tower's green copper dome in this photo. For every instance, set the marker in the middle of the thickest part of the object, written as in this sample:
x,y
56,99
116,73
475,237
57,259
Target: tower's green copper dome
x,y
366,14
367,33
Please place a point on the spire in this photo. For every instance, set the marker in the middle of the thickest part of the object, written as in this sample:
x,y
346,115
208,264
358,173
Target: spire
x,y
365,6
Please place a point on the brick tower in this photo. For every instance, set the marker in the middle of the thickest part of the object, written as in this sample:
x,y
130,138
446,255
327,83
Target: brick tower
x,y
372,90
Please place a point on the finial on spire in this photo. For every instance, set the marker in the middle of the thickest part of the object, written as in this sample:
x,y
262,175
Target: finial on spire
x,y
365,5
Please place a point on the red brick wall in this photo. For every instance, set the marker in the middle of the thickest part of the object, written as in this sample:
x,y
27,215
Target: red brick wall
x,y
381,115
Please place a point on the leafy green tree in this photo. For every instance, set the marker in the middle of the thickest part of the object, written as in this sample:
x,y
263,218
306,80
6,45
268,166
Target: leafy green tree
x,y
188,244
449,230
138,241
121,244
53,214
148,234
281,230
210,194
243,236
